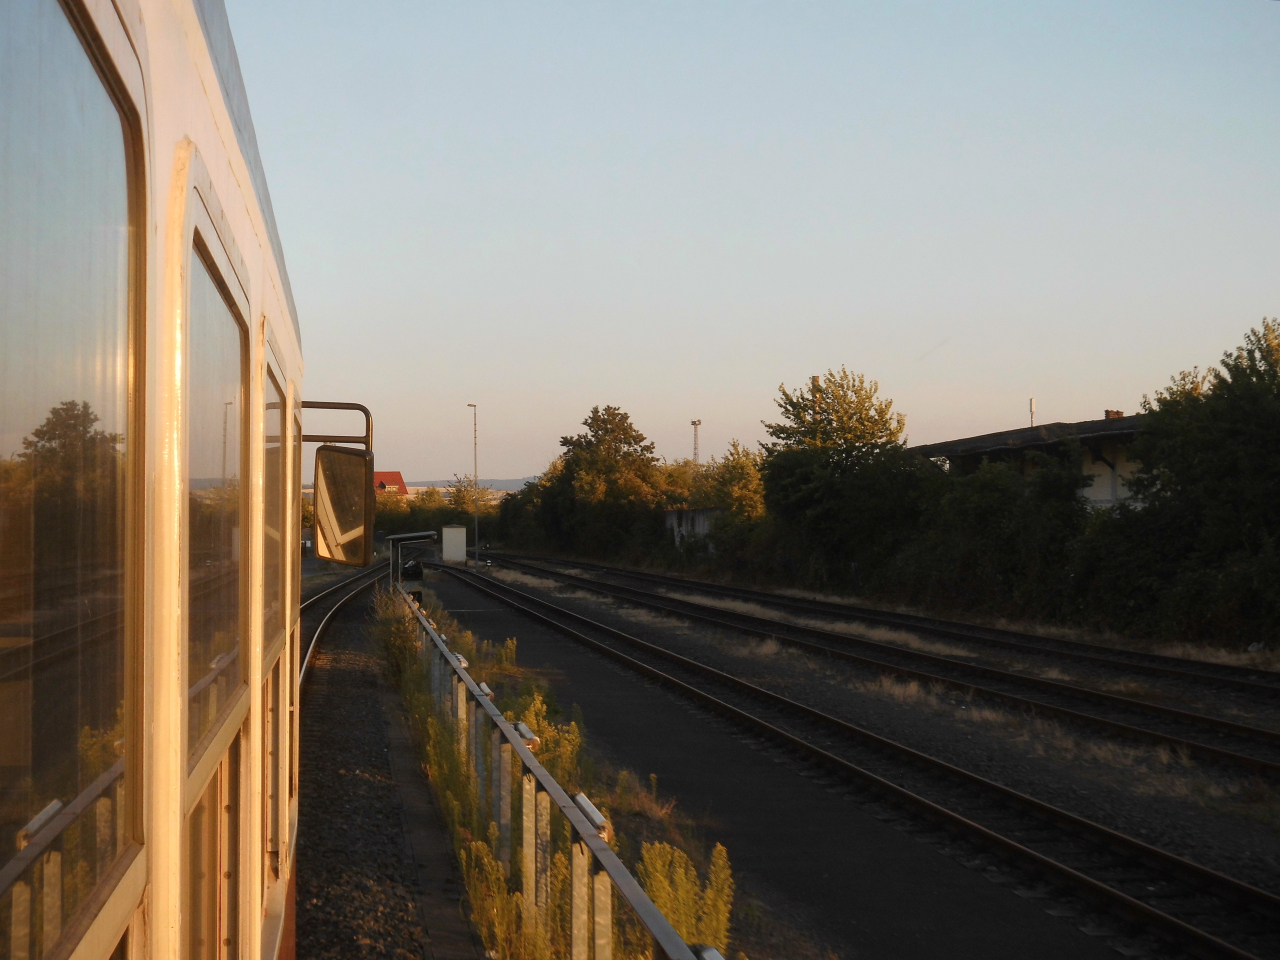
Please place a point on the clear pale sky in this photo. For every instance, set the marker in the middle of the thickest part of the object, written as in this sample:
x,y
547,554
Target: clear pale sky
x,y
674,207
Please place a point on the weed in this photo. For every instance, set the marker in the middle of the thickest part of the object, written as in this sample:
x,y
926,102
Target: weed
x,y
508,927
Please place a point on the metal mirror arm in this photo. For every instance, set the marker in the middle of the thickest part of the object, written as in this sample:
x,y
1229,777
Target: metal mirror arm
x,y
367,439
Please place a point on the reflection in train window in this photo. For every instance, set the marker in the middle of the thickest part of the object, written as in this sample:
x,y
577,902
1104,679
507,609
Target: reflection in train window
x,y
64,433
215,453
213,865
273,514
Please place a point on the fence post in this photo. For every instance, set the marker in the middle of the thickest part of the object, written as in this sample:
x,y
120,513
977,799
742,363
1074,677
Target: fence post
x,y
122,814
580,901
104,835
603,890
529,839
543,888
503,801
460,712
51,896
20,921
477,759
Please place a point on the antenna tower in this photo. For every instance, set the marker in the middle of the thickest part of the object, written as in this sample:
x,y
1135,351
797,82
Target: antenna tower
x,y
695,424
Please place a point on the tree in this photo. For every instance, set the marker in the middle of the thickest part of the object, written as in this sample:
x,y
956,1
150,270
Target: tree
x,y
462,493
1210,448
838,477
76,473
732,484
600,495
838,410
1198,553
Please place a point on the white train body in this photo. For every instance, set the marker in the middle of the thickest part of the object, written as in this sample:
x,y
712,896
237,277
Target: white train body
x,y
150,389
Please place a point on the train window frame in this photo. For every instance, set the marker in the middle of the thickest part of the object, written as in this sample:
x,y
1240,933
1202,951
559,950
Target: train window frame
x,y
295,596
233,790
272,372
103,919
216,251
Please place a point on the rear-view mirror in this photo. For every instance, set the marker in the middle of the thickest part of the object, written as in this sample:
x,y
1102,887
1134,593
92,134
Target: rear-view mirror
x,y
344,505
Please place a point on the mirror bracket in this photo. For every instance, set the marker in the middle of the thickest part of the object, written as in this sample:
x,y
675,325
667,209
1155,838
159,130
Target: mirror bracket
x,y
367,439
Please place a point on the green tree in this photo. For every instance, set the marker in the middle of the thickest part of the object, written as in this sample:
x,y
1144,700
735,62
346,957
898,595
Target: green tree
x,y
1197,554
837,410
603,492
838,478
731,483
462,493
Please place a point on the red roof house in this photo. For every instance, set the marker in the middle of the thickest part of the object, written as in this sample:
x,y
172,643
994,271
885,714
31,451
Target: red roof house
x,y
389,481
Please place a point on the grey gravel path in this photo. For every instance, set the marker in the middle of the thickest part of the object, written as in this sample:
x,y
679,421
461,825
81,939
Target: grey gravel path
x,y
361,890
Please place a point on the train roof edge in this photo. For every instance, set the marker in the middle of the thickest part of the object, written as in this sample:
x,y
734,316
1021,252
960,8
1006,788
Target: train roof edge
x,y
222,50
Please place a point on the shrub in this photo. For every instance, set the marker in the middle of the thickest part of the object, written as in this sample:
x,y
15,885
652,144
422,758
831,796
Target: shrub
x,y
700,914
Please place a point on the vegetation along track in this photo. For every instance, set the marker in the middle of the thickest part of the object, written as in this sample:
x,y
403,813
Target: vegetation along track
x,y
1190,907
1220,675
1254,750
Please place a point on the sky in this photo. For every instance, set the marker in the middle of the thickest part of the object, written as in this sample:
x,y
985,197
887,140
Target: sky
x,y
677,207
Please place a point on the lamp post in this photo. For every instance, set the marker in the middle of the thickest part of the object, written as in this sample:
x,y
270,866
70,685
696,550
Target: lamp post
x,y
475,475
695,424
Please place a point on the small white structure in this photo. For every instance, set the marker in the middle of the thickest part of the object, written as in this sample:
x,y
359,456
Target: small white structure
x,y
453,543
690,524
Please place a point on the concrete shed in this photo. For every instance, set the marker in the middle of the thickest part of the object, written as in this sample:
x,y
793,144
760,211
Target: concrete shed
x,y
453,543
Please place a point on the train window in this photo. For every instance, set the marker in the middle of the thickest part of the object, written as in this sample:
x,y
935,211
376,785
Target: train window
x,y
215,455
273,514
213,865
65,442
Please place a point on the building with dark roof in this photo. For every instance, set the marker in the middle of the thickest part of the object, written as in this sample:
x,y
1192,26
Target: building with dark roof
x,y
1104,452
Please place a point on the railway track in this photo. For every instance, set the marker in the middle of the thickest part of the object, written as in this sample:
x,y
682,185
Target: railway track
x,y
1253,750
347,590
1189,907
1201,672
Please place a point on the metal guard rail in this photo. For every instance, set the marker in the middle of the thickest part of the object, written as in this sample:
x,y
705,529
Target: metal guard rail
x,y
666,940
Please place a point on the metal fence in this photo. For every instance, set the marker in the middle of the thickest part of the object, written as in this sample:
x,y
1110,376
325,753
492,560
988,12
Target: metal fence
x,y
491,746
63,855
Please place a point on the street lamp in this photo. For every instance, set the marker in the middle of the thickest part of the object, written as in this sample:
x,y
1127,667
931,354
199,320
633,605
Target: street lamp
x,y
475,475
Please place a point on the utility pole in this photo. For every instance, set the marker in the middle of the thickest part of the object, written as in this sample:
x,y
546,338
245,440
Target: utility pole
x,y
1033,411
695,424
475,475
222,490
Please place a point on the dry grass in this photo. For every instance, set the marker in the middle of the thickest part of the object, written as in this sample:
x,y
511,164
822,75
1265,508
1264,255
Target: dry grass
x,y
1140,769
521,579
1265,659
899,638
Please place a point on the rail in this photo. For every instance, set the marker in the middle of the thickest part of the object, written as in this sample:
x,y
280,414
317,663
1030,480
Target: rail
x,y
595,870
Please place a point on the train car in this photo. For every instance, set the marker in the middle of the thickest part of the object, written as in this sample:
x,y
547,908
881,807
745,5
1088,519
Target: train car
x,y
150,473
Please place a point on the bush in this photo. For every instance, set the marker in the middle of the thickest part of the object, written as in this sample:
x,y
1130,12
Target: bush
x,y
700,914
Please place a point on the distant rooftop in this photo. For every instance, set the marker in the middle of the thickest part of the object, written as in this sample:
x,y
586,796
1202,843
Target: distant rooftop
x,y
389,481
1113,425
